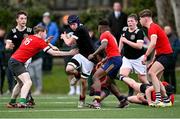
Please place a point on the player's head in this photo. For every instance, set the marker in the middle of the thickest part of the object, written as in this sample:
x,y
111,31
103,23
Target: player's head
x,y
167,30
2,32
73,22
132,21
40,31
21,18
117,6
103,26
145,16
64,20
46,18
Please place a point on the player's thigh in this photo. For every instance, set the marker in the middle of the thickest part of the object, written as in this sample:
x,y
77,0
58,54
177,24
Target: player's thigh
x,y
125,71
156,68
126,67
143,78
99,73
138,66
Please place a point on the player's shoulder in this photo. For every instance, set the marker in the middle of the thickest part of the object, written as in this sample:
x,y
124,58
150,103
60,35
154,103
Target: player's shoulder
x,y
29,29
13,30
154,26
125,29
138,31
81,27
106,33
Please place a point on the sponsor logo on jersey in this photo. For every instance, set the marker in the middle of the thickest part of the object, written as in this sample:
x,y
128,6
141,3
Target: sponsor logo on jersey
x,y
14,36
132,37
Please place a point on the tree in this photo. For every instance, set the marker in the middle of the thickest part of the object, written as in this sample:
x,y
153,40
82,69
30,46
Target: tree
x,y
176,9
164,13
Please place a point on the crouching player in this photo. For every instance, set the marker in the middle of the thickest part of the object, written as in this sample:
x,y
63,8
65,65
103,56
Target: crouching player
x,y
146,93
28,48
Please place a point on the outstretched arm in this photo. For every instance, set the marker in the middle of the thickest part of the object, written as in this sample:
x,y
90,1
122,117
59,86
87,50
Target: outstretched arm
x,y
103,45
62,53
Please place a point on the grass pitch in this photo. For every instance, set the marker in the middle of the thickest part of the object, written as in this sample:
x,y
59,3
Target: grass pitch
x,y
61,106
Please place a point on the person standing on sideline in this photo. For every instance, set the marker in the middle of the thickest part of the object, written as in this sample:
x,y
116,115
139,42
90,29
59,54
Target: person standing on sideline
x,y
2,59
52,30
163,56
170,74
117,20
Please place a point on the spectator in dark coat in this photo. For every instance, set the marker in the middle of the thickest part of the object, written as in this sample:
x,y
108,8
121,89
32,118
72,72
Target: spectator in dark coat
x,y
117,20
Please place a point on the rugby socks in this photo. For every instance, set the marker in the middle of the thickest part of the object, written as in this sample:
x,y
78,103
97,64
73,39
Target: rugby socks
x,y
97,96
78,90
122,98
166,99
82,98
120,77
158,96
22,100
12,101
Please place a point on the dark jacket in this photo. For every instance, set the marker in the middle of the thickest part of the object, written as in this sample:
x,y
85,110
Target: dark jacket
x,y
117,25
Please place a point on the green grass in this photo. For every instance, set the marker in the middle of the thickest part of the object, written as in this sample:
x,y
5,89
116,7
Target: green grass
x,y
56,82
61,106
54,104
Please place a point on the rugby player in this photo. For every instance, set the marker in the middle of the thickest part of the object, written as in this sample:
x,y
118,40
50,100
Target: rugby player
x,y
79,66
30,46
13,41
131,42
163,54
112,64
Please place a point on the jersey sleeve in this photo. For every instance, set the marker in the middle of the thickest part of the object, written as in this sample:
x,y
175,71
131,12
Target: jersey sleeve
x,y
140,36
124,31
104,37
44,46
9,35
153,31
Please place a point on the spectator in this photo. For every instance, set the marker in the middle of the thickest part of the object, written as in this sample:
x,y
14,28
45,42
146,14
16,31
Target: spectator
x,y
2,61
53,30
170,74
117,20
35,71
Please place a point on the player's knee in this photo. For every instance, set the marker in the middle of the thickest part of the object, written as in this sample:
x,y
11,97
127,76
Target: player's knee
x,y
151,73
69,69
29,83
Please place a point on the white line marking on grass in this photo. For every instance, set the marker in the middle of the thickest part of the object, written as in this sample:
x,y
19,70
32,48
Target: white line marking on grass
x,y
59,102
65,110
46,97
